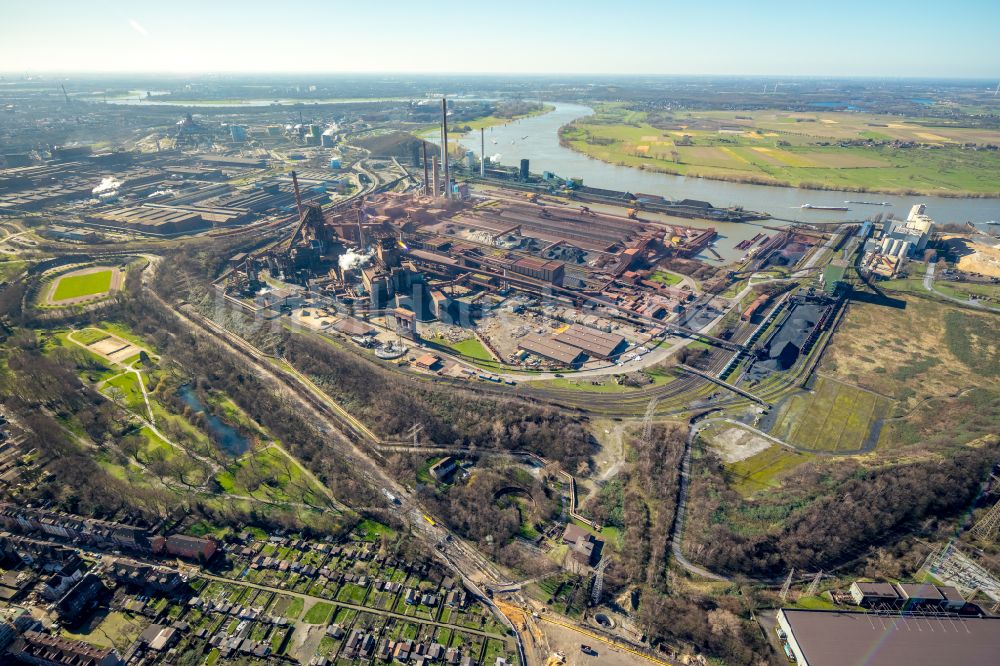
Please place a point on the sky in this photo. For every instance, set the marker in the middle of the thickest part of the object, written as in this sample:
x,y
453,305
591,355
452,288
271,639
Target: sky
x,y
894,38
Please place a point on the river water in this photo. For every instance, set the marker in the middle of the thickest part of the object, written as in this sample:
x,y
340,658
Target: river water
x,y
542,147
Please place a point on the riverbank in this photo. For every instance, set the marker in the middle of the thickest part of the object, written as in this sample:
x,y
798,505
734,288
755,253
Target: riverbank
x,y
843,152
486,122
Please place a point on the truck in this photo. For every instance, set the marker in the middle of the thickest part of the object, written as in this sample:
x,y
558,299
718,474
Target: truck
x,y
389,496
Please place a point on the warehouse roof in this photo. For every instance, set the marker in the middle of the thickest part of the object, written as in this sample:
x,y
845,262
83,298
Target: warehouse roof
x,y
592,341
877,589
831,638
550,349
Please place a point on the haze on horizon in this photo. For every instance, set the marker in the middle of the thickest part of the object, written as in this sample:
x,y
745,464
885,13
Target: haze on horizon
x,y
772,37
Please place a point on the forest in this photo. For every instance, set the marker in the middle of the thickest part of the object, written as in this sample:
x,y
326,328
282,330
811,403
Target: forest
x,y
826,514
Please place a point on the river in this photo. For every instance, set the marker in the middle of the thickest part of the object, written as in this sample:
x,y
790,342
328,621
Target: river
x,y
537,138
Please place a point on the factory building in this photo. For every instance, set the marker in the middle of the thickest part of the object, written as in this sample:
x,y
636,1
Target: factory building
x,y
163,221
834,638
592,342
552,350
899,241
547,271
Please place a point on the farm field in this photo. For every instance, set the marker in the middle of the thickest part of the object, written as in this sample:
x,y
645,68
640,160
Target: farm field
x,y
834,417
822,150
84,284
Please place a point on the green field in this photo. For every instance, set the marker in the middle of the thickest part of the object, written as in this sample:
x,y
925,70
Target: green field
x,y
112,629
319,614
268,474
820,150
89,284
666,278
131,392
834,417
763,470
472,348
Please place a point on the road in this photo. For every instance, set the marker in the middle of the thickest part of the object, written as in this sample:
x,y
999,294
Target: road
x,y
929,286
677,535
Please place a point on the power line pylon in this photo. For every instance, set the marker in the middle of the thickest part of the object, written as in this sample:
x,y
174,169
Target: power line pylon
x,y
595,594
989,524
647,420
814,585
787,586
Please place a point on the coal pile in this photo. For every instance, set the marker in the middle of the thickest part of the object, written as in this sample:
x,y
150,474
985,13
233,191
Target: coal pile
x,y
783,348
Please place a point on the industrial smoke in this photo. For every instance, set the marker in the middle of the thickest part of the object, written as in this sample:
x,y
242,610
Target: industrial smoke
x,y
351,260
108,184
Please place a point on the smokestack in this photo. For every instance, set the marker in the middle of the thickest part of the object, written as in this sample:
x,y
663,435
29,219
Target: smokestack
x,y
444,147
298,197
482,152
437,184
427,184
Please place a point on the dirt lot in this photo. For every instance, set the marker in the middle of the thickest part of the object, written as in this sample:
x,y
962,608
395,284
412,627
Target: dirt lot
x,y
736,444
114,348
568,641
975,257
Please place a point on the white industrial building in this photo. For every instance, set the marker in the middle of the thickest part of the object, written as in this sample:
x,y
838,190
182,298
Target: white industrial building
x,y
899,240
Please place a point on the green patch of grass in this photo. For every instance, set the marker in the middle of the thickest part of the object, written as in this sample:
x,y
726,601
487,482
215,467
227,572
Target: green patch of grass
x,y
834,417
763,470
10,269
127,386
89,336
109,629
372,530
815,603
319,613
977,347
76,286
294,608
666,278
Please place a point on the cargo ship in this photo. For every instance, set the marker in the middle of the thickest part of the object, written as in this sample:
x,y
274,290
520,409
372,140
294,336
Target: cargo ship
x,y
812,207
869,203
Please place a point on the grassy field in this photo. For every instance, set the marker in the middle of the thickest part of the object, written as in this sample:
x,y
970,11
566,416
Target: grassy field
x,y
795,149
666,278
938,361
472,348
603,383
89,284
319,614
128,386
270,475
927,348
763,470
112,629
834,417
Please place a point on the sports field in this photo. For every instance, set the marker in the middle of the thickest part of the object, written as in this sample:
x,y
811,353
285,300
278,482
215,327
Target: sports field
x,y
851,151
834,417
83,285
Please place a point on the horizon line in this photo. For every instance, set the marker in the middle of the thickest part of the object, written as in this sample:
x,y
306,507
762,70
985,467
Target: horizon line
x,y
164,73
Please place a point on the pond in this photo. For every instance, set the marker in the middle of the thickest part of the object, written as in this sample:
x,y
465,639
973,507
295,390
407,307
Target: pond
x,y
227,437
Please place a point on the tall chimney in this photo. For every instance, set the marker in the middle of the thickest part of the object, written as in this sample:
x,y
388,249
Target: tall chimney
x,y
298,197
437,184
482,152
444,147
427,183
